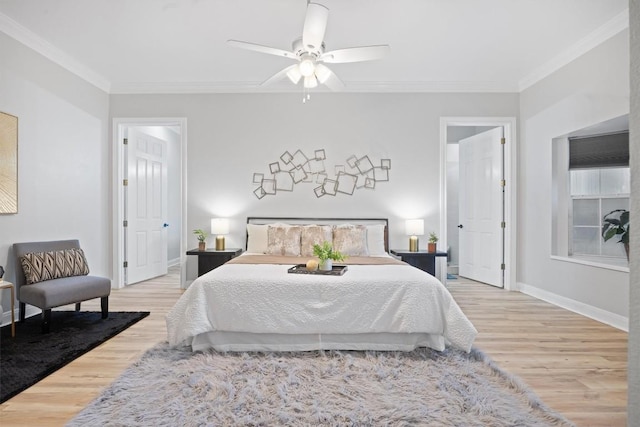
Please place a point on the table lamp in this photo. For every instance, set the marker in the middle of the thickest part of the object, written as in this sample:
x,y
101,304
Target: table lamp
x,y
219,227
414,228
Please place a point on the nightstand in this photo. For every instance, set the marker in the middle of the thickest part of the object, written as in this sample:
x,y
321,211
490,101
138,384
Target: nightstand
x,y
211,258
423,260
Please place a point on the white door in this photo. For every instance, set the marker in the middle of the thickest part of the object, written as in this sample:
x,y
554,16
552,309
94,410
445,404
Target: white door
x,y
481,204
146,207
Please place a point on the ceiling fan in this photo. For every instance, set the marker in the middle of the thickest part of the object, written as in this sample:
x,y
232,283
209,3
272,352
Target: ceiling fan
x,y
309,52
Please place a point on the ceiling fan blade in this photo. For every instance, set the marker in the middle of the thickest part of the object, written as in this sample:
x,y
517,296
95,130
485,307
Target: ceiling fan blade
x,y
356,54
328,78
279,75
262,49
315,24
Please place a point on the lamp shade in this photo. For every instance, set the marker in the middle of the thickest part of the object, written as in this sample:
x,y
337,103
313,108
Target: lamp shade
x,y
414,227
219,226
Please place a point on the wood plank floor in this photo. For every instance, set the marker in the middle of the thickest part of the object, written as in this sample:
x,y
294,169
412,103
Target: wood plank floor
x,y
576,365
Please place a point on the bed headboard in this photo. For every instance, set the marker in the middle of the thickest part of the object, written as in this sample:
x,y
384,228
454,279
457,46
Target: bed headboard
x,y
322,221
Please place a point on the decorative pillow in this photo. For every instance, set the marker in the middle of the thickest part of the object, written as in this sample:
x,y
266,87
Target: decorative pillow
x,y
350,239
41,266
314,235
375,240
283,240
257,238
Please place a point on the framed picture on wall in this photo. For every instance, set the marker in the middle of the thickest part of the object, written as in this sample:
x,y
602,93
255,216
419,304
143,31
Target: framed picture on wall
x,y
8,164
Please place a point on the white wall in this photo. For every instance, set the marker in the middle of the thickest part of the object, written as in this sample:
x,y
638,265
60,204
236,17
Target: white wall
x,y
63,157
633,402
231,136
589,90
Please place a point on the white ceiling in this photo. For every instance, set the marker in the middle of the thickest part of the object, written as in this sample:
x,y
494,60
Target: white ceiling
x,y
138,46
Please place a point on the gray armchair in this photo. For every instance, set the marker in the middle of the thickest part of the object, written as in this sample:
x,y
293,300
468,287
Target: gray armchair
x,y
56,292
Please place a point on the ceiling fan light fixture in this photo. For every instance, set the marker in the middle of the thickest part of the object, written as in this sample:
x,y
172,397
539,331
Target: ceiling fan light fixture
x,y
307,66
310,82
294,75
322,73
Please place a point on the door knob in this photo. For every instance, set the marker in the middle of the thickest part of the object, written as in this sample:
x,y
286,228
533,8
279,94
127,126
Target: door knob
x,y
165,225
460,226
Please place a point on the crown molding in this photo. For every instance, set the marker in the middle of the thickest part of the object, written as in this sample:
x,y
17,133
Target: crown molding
x,y
46,49
350,87
603,33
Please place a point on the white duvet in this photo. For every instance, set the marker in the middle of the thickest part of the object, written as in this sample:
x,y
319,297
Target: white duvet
x,y
265,299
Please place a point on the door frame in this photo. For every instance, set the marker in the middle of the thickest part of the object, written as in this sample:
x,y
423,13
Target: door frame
x,y
510,199
118,172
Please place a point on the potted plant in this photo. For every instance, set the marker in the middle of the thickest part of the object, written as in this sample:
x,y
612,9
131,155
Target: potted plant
x,y
326,255
433,239
202,237
616,223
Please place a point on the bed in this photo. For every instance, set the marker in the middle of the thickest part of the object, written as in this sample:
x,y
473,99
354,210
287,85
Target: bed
x,y
253,302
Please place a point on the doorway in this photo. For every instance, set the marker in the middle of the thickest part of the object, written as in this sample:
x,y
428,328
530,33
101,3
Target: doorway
x,y
147,237
495,266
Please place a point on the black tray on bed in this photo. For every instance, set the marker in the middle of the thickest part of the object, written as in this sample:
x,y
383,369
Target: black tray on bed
x,y
336,270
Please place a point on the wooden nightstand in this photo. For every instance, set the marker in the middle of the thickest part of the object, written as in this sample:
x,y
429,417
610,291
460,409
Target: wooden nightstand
x,y
423,260
210,258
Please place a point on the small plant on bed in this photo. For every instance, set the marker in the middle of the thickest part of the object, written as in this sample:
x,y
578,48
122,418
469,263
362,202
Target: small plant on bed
x,y
202,237
327,255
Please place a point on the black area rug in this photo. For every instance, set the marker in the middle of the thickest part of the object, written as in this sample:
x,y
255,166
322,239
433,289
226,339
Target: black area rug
x,y
31,355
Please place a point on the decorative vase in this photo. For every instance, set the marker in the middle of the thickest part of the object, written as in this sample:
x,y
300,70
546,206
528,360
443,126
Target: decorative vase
x,y
431,247
327,265
202,246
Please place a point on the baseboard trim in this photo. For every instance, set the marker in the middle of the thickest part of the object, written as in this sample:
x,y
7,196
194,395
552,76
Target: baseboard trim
x,y
173,262
595,313
6,316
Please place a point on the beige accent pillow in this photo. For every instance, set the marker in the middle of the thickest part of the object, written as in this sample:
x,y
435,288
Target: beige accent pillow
x,y
350,239
314,235
41,266
283,240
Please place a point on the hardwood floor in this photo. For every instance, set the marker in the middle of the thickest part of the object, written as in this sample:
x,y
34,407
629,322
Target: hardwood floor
x,y
576,365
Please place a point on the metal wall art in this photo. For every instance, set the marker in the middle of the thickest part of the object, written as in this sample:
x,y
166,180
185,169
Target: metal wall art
x,y
299,168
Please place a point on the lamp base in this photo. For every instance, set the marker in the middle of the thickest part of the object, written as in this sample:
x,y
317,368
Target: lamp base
x,y
413,244
220,243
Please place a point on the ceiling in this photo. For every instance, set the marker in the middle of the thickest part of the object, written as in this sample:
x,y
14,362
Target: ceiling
x,y
179,46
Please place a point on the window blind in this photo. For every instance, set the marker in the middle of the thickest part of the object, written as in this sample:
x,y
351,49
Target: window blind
x,y
599,151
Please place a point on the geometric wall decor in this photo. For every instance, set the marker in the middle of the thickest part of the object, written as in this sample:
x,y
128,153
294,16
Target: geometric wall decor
x,y
291,170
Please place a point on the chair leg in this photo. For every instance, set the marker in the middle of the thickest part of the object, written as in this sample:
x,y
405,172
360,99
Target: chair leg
x,y
46,321
104,304
77,306
23,309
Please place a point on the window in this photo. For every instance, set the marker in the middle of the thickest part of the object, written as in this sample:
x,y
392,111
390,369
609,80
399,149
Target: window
x,y
591,178
594,193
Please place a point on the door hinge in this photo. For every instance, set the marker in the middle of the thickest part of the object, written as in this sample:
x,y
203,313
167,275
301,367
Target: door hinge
x,y
503,267
502,141
503,182
125,141
503,224
125,182
125,223
125,264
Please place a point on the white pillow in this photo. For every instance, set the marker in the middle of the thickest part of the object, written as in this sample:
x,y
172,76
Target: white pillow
x,y
257,238
375,240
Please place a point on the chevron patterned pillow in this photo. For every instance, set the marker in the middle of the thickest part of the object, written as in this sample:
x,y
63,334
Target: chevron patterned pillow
x,y
41,266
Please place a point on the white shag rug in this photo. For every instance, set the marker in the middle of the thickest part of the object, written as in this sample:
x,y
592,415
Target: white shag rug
x,y
170,387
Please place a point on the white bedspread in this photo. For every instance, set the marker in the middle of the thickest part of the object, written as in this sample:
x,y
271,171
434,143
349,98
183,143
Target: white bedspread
x,y
264,298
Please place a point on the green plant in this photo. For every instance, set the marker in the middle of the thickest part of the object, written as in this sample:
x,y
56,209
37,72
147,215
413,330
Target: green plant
x,y
616,223
325,252
201,234
433,238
